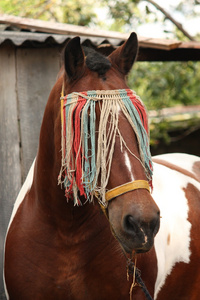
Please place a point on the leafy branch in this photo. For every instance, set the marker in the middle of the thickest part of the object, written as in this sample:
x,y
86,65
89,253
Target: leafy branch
x,y
168,16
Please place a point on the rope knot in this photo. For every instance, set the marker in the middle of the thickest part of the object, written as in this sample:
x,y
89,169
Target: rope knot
x,y
130,266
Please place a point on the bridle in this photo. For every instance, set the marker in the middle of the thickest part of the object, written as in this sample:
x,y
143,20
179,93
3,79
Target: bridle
x,y
120,190
131,262
110,195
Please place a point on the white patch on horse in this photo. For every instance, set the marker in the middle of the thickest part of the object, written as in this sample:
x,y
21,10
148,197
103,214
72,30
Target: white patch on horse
x,y
172,243
25,188
145,236
128,164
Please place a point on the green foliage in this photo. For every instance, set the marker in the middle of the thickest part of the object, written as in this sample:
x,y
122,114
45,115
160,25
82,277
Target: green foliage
x,y
189,8
125,14
131,13
159,133
122,12
166,84
79,12
40,9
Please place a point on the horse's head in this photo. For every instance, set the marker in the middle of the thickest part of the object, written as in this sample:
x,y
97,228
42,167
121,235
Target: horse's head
x,y
105,149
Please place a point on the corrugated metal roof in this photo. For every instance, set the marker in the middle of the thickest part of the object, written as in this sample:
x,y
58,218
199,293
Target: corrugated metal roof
x,y
20,38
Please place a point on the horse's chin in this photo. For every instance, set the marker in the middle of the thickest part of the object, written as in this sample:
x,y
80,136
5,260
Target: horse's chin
x,y
135,245
137,251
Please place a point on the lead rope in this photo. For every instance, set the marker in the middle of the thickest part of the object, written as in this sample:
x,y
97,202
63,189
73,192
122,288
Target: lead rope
x,y
131,270
130,265
142,285
137,280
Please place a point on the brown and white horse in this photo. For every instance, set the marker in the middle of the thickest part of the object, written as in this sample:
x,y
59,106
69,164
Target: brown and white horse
x,y
55,250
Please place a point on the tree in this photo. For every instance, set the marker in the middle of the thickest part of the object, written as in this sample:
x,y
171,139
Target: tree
x,y
161,84
166,84
78,12
133,13
168,16
124,13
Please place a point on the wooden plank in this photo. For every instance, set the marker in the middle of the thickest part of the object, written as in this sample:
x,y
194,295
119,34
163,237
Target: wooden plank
x,y
177,118
36,74
161,44
10,171
190,45
191,110
60,28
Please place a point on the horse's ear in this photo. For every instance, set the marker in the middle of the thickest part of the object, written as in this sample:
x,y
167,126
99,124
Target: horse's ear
x,y
125,55
73,58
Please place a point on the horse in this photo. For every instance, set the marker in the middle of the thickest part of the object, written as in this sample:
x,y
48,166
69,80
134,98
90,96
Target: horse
x,y
95,207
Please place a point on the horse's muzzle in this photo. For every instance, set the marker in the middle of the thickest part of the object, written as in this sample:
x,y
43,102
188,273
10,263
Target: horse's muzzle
x,y
136,232
138,235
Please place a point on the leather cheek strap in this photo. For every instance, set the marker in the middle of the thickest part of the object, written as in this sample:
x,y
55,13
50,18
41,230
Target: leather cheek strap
x,y
127,187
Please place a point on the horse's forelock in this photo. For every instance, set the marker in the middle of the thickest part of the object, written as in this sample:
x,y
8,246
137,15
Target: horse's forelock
x,y
96,61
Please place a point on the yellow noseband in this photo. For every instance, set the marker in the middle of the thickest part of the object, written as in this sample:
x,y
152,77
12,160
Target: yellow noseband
x,y
127,187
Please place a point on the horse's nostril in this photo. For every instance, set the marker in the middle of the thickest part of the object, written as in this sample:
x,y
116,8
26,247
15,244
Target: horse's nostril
x,y
134,226
130,225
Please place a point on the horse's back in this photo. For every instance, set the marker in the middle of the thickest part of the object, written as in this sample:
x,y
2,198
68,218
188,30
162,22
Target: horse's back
x,y
183,163
177,193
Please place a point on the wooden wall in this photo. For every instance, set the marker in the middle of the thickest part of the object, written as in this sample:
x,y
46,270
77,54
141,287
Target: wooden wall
x,y
26,78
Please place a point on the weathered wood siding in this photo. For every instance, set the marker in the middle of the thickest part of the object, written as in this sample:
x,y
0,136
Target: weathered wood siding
x,y
26,78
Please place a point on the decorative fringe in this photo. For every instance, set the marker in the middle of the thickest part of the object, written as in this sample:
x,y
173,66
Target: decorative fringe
x,y
82,164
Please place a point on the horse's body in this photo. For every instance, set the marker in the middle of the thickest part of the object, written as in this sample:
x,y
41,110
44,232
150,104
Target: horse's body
x,y
55,250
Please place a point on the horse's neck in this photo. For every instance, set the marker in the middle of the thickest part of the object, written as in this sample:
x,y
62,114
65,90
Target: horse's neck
x,y
72,223
50,196
51,201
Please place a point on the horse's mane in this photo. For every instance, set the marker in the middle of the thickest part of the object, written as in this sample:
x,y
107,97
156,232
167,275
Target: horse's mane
x,y
96,61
